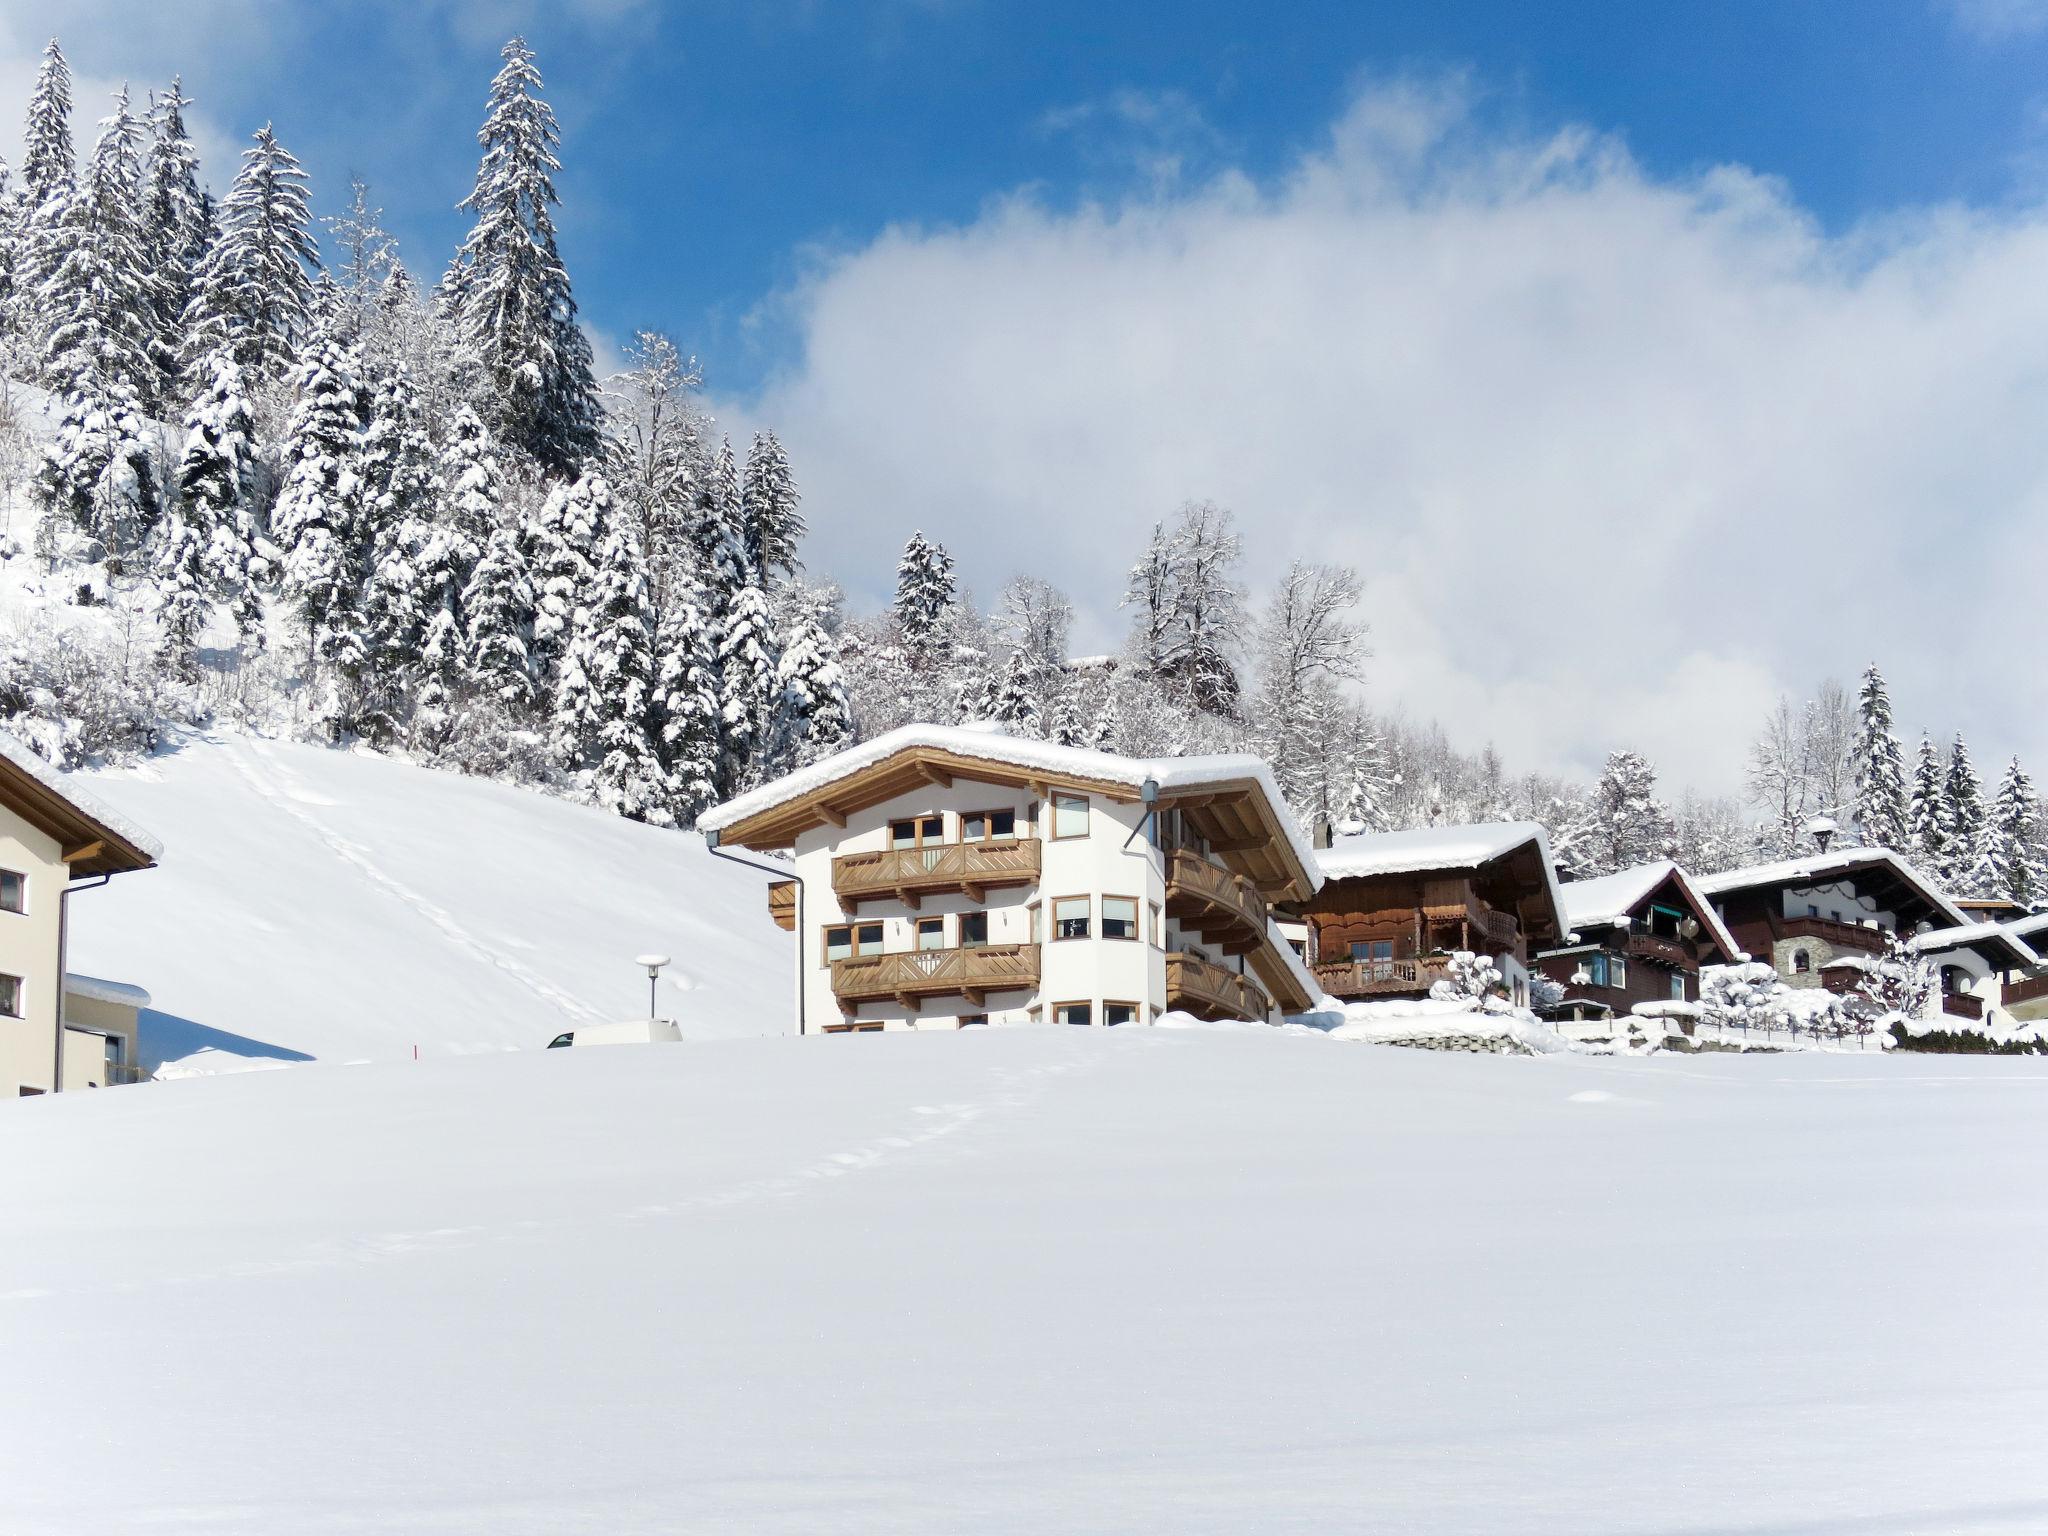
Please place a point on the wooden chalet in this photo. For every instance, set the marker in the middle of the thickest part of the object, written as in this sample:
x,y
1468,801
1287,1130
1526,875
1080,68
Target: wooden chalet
x,y
1637,936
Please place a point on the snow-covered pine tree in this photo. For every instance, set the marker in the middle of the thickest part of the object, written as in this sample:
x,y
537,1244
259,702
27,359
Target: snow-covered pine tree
x,y
254,291
748,687
509,286
175,231
1016,702
926,594
604,696
95,304
2015,871
1630,825
1106,735
771,526
810,718
217,487
1963,792
560,545
319,518
686,704
1881,806
411,635
1931,829
184,601
1367,792
48,165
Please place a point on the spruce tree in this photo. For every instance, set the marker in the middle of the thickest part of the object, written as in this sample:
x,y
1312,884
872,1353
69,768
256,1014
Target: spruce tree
x,y
319,519
48,165
2015,870
217,486
183,583
687,706
561,545
1931,827
498,606
747,687
175,230
926,595
1017,700
771,525
509,286
95,300
604,698
412,647
254,290
810,718
1882,812
1964,793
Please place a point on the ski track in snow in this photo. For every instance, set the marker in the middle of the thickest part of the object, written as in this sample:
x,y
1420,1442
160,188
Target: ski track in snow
x,y
934,1124
293,800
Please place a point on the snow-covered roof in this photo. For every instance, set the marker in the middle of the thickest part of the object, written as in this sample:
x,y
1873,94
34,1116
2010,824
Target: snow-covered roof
x,y
1975,936
65,787
1296,966
1832,865
990,744
120,993
2029,929
1607,899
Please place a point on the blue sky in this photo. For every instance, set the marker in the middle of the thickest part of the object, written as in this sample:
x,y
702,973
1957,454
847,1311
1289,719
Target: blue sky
x,y
1649,361
712,149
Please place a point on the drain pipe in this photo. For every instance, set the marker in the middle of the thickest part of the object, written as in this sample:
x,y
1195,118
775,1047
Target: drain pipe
x,y
780,873
63,942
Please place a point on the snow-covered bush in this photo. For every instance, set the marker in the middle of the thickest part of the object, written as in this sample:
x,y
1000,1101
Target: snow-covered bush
x,y
1472,977
1543,992
1752,997
77,697
1897,985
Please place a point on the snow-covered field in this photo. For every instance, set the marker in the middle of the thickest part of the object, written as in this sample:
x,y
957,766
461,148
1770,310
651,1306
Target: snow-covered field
x,y
346,906
1031,1281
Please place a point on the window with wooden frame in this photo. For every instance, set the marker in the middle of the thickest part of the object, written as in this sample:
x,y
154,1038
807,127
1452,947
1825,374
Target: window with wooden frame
x,y
1120,917
1617,971
849,939
917,832
13,891
973,930
987,826
931,933
1031,919
1596,970
1073,1013
1678,986
1119,1013
10,997
1069,816
1070,917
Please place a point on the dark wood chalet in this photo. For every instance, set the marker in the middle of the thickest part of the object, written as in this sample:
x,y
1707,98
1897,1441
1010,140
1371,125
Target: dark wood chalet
x,y
1802,915
1395,906
1640,936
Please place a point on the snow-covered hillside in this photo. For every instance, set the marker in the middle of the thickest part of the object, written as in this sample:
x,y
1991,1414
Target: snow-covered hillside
x,y
1030,1281
347,906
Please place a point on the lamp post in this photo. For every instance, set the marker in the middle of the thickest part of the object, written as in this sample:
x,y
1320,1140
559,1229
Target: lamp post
x,y
654,963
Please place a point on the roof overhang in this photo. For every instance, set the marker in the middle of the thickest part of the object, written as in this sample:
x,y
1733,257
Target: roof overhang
x,y
86,843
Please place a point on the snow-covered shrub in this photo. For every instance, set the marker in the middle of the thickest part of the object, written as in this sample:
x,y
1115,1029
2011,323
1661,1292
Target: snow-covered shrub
x,y
76,697
1897,985
1753,997
1473,977
1543,992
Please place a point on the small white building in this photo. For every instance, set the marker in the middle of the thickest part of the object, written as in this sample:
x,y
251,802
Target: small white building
x,y
58,1031
944,877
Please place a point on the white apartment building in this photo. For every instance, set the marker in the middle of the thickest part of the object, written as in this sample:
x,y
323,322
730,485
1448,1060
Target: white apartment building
x,y
57,1031
944,877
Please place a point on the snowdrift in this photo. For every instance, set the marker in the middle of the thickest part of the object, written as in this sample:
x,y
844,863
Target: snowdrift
x,y
341,906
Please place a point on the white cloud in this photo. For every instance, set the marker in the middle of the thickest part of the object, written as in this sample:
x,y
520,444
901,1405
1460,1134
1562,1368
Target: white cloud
x,y
1620,457
1999,20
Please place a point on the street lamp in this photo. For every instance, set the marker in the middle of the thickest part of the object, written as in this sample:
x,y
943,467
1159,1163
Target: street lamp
x,y
654,963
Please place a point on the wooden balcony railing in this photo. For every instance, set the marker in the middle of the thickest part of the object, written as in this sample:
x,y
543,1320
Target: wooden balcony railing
x,y
1499,928
1962,1005
1207,990
920,973
1651,946
1224,908
909,874
1374,978
782,904
2024,990
1869,941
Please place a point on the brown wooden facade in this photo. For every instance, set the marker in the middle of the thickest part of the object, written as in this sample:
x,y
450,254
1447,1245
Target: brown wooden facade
x,y
1655,958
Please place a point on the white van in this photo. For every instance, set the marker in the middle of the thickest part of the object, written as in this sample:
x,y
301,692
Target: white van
x,y
632,1032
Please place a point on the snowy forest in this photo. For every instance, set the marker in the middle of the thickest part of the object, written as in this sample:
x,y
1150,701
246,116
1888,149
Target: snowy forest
x,y
269,478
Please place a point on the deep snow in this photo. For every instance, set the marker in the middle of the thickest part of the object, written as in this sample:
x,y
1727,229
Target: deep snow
x,y
347,906
1031,1281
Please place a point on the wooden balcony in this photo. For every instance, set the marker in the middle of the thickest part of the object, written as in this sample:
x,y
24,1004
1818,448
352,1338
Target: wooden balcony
x,y
2025,989
1224,908
1357,979
1663,951
1868,941
911,977
910,874
1208,991
782,904
1499,929
1962,1005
